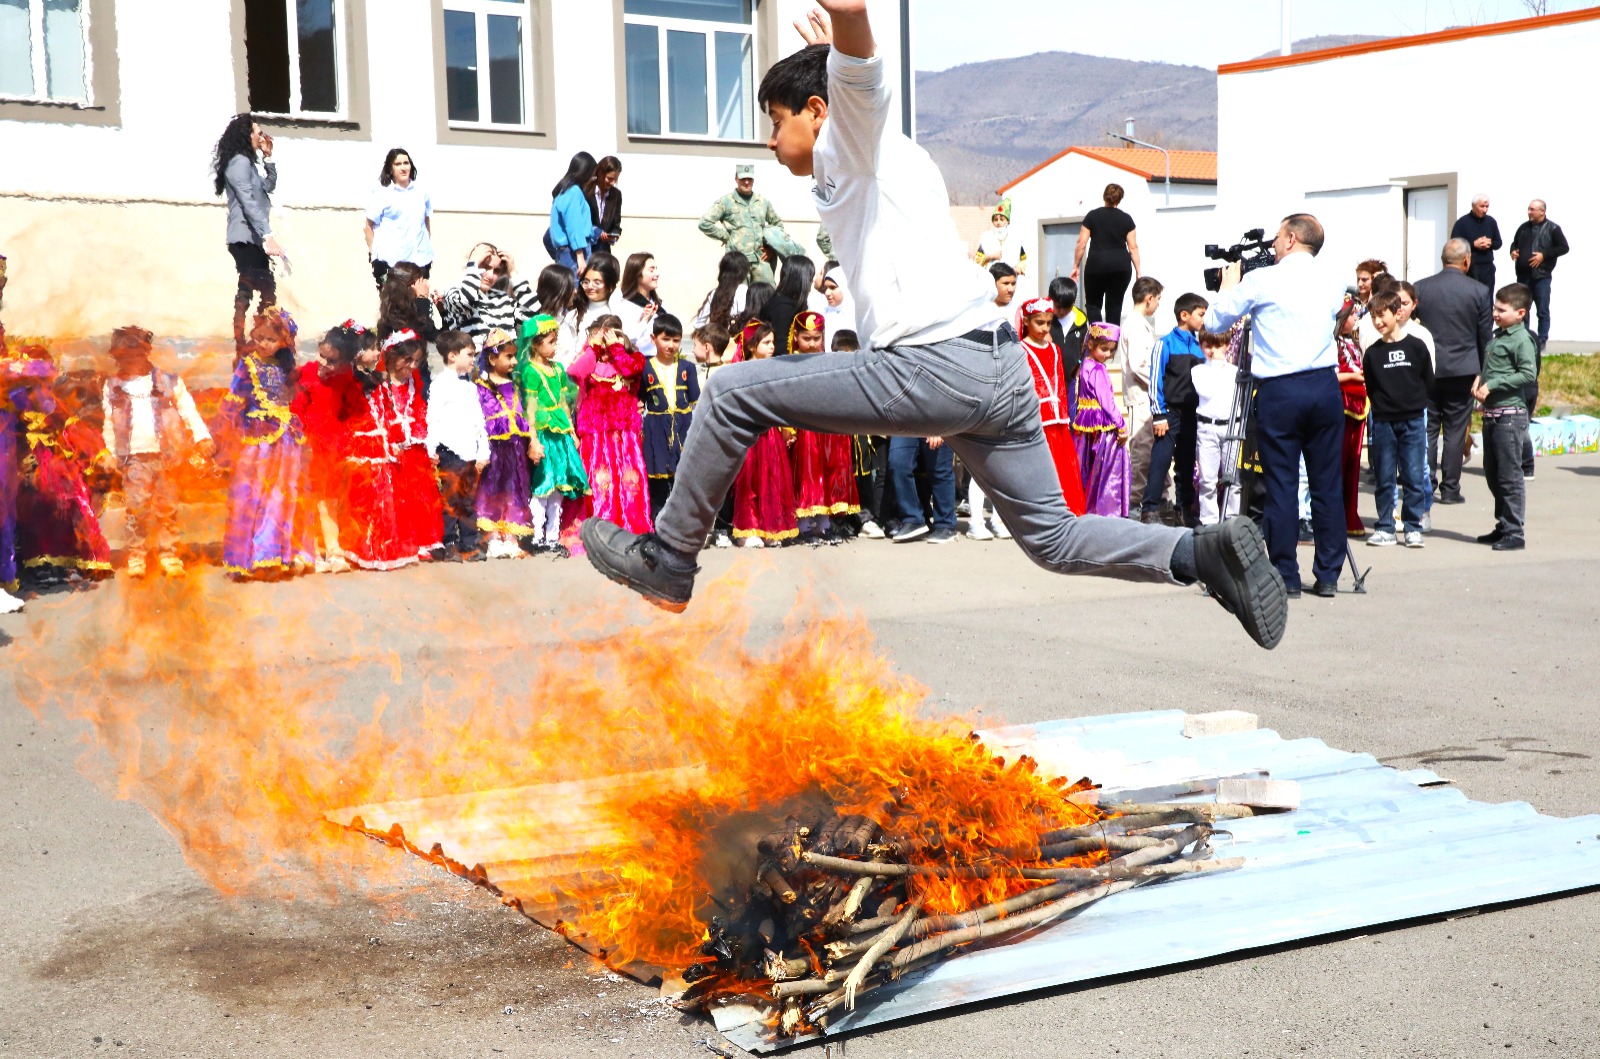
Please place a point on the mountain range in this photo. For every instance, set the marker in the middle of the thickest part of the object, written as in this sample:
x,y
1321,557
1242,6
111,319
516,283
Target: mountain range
x,y
987,122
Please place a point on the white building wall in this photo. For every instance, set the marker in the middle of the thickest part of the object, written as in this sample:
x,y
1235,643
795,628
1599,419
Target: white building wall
x,y
1342,138
132,206
1170,238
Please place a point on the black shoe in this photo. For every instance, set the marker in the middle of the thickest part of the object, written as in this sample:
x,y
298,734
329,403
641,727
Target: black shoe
x,y
1325,589
1453,498
640,562
1510,544
910,531
1494,536
559,551
1293,593
1306,533
1231,559
942,535
1150,517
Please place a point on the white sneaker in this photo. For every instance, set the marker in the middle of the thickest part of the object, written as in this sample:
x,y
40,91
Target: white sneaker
x,y
871,530
1000,528
1381,539
752,542
978,532
722,540
1414,539
9,604
1427,522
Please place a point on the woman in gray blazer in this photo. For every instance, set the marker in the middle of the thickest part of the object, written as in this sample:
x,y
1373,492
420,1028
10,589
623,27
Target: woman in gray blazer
x,y
250,238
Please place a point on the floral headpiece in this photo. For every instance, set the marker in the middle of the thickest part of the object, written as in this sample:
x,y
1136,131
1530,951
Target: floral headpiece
x,y
497,338
405,334
808,321
1035,306
1101,330
351,325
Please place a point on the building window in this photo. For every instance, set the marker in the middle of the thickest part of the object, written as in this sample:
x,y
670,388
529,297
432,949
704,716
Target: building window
x,y
44,53
690,68
292,50
487,44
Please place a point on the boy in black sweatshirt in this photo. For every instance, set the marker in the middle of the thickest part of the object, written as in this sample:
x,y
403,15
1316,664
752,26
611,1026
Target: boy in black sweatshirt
x,y
1399,374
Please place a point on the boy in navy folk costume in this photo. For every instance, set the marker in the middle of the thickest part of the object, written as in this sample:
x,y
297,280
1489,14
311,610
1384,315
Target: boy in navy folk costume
x,y
935,362
671,387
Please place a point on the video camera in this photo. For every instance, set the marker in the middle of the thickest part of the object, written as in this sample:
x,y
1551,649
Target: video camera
x,y
1252,252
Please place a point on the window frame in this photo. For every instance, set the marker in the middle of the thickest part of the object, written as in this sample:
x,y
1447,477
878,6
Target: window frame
x,y
539,84
529,11
39,59
341,51
101,72
664,24
357,120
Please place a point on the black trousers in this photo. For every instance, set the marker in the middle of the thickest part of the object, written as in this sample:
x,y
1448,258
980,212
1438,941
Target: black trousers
x,y
1302,415
872,478
660,489
1104,288
458,484
1173,451
1449,420
1484,274
255,277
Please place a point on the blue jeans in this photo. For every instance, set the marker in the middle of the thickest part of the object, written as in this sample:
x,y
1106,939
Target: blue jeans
x,y
906,455
1401,445
1540,285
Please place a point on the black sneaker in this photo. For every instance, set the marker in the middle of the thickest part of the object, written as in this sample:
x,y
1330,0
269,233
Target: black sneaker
x,y
942,535
1231,559
910,531
1510,544
1494,536
1307,534
640,562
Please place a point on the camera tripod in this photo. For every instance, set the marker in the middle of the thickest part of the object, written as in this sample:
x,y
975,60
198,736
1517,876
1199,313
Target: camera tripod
x,y
1237,475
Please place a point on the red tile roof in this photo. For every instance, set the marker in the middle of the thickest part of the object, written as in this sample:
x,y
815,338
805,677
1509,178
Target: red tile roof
x,y
1272,62
1189,167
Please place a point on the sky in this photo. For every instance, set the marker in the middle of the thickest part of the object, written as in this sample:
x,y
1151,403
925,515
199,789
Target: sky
x,y
1194,32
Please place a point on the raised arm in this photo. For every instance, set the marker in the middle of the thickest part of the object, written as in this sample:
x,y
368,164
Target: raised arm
x,y
843,24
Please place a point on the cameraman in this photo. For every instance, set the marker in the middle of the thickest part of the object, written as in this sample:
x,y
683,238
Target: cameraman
x,y
1299,411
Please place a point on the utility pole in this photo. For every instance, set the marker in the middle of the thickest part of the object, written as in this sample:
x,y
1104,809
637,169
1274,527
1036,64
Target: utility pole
x,y
1127,137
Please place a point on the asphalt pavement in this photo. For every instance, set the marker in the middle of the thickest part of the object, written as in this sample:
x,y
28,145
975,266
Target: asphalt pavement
x,y
1479,665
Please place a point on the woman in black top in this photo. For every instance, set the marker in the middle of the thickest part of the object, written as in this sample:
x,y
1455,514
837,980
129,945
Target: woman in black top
x,y
605,203
794,290
1112,261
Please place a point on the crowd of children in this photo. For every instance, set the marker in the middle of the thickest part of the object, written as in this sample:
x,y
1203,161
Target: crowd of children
x,y
363,458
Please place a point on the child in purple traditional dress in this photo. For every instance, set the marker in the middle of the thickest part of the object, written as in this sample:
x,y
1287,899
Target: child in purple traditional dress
x,y
1098,429
503,488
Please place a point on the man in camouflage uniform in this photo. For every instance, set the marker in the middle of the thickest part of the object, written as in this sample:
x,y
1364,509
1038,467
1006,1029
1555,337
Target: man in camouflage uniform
x,y
744,221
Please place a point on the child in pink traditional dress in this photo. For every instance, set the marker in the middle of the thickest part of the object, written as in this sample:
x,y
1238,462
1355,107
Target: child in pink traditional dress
x,y
1098,429
610,428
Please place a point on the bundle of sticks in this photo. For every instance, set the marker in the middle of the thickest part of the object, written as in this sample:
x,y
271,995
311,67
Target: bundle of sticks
x,y
838,909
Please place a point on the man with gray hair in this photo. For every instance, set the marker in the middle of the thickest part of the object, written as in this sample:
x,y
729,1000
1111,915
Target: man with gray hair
x,y
1458,311
1482,234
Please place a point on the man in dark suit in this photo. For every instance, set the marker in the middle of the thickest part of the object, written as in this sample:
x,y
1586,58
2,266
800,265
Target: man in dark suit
x,y
1482,234
1458,311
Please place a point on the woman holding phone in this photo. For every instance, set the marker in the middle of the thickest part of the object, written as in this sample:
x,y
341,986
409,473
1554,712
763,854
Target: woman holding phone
x,y
250,239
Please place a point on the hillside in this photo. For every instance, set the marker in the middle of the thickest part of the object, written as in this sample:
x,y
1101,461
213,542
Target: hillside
x,y
987,122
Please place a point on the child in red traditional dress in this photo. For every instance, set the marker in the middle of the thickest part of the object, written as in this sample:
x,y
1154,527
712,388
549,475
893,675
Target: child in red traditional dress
x,y
370,535
824,464
328,395
1049,382
1353,387
418,509
610,428
763,491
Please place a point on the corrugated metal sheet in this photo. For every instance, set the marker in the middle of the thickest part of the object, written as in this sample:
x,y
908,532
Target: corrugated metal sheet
x,y
1368,846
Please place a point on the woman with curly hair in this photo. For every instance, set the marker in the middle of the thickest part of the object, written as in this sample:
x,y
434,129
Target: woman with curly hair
x,y
405,303
250,238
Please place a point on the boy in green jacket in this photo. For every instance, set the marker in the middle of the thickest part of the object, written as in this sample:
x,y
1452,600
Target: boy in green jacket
x,y
1509,365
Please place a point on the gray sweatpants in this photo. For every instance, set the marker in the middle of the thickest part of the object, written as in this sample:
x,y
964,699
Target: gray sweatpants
x,y
978,396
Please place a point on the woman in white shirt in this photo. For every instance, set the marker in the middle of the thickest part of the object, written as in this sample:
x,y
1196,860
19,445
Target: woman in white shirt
x,y
399,218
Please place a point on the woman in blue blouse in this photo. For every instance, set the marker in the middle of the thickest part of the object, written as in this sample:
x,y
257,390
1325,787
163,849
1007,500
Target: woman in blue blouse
x,y
570,238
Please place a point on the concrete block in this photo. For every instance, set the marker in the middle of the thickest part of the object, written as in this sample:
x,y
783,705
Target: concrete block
x,y
1263,794
1221,722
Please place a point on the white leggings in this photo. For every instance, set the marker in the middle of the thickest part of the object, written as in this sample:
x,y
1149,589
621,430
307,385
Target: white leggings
x,y
547,519
976,500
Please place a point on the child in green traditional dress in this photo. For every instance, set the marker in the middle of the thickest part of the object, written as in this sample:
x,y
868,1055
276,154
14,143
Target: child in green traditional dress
x,y
548,393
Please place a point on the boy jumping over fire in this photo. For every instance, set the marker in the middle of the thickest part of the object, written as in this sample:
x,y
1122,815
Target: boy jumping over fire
x,y
938,362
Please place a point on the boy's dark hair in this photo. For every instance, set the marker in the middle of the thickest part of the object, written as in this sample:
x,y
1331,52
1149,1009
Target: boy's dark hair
x,y
667,324
794,79
1383,300
1143,287
1212,339
1063,292
453,342
1383,281
846,342
1000,270
1188,303
1515,296
713,335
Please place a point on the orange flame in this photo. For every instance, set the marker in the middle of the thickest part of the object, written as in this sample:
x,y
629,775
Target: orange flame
x,y
207,705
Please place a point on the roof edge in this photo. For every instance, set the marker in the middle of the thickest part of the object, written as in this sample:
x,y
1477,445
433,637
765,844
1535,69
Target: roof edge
x,y
1089,152
1444,36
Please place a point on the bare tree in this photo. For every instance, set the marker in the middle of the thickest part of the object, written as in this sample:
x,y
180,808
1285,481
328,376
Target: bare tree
x,y
1537,7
